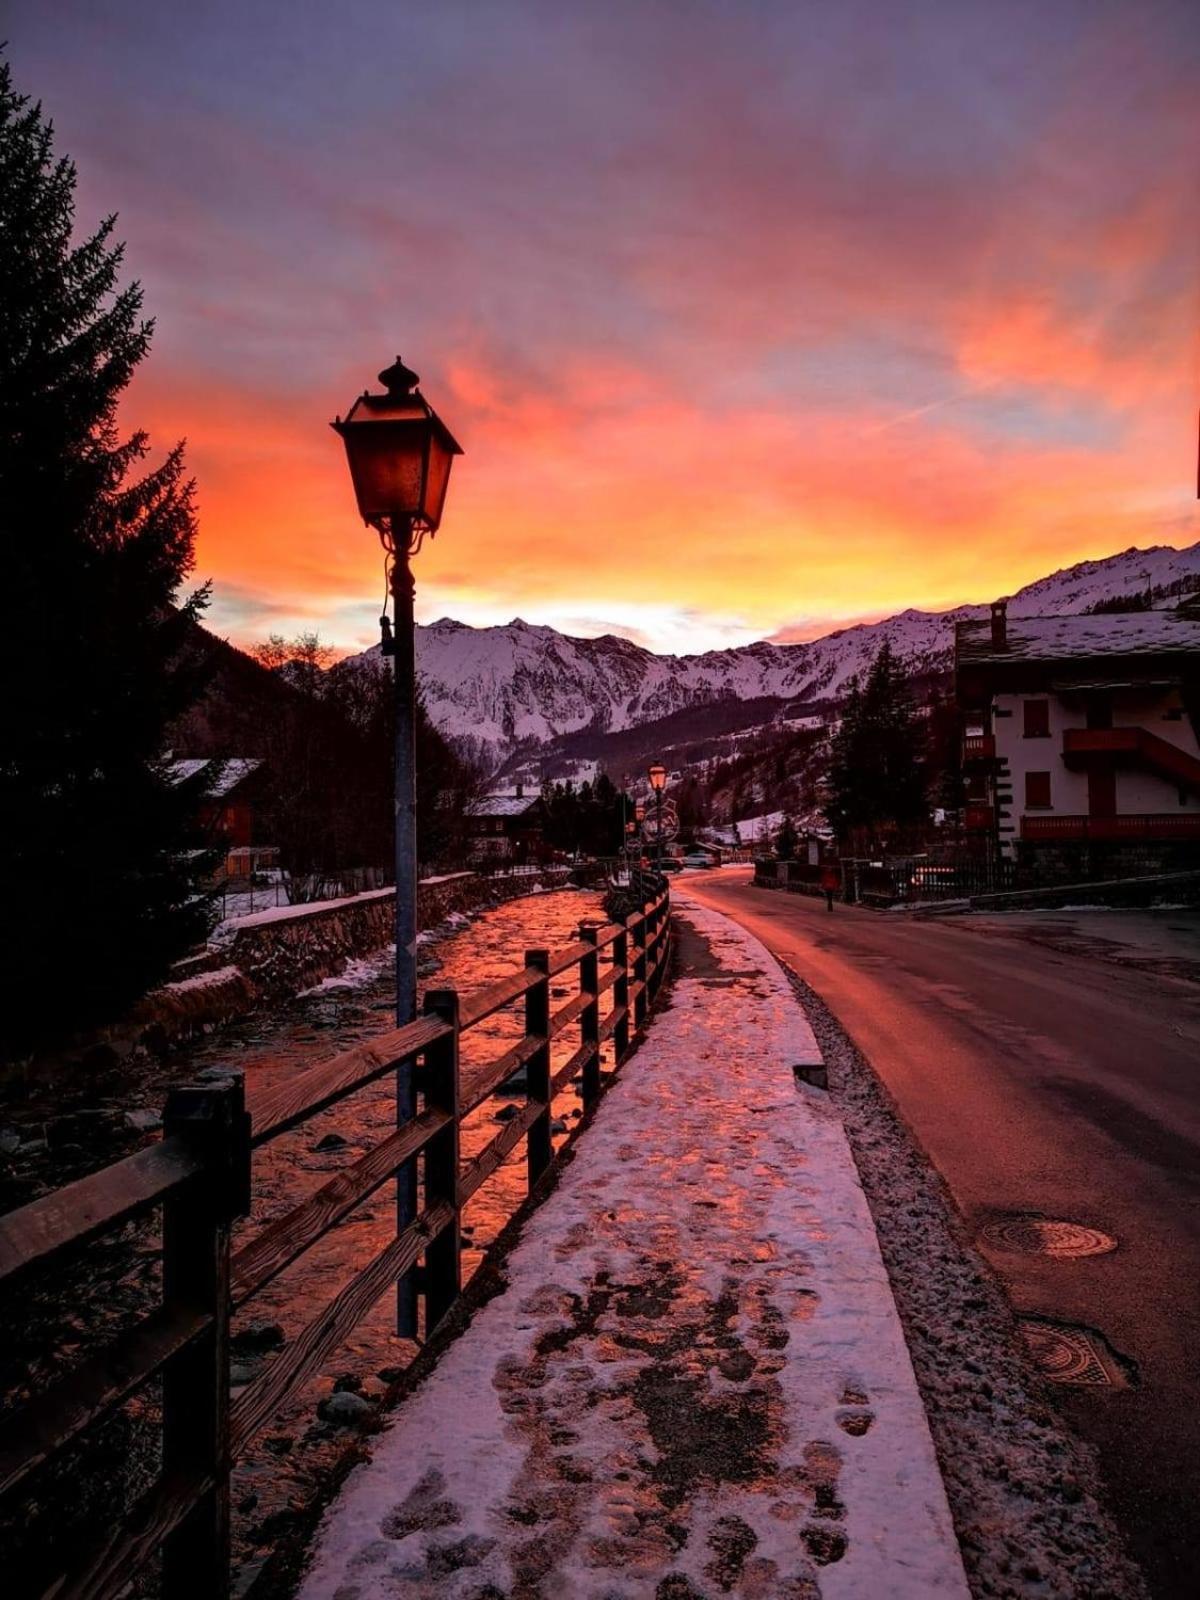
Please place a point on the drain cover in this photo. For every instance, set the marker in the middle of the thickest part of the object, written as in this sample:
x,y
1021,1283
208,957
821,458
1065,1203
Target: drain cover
x,y
1042,1236
1068,1355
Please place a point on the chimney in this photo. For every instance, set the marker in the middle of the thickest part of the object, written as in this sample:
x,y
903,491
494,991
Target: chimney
x,y
999,624
520,791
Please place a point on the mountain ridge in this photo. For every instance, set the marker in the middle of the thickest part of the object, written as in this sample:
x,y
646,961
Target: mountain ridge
x,y
521,685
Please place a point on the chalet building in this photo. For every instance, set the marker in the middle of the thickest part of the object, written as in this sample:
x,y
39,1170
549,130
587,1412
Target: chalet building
x,y
1080,738
230,812
506,825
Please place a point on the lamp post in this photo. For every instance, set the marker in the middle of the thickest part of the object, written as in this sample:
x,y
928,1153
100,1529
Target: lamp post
x,y
400,453
658,782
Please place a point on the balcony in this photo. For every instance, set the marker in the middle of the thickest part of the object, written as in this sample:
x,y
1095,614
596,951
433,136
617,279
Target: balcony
x,y
1082,746
1135,826
979,747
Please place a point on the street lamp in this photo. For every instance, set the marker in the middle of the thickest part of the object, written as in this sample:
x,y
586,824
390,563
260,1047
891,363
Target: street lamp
x,y
400,453
658,782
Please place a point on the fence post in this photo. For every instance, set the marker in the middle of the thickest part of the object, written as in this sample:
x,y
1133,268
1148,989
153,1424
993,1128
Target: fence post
x,y
589,1017
443,1264
210,1117
537,1073
639,968
620,954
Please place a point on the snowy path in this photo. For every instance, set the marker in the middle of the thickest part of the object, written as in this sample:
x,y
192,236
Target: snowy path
x,y
696,1382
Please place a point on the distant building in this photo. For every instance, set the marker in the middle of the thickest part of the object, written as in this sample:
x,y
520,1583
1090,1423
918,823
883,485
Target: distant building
x,y
507,825
1081,731
229,812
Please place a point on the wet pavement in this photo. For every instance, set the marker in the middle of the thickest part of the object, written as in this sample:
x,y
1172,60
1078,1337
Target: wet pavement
x,y
1047,1065
694,1383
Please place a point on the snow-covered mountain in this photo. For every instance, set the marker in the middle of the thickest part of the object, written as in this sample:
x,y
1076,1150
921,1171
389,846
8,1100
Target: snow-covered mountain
x,y
523,685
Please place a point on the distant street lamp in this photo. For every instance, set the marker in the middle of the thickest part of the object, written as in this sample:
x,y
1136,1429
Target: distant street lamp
x,y
400,453
658,782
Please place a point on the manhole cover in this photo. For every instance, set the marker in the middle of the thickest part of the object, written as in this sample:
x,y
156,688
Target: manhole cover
x,y
1067,1355
1042,1236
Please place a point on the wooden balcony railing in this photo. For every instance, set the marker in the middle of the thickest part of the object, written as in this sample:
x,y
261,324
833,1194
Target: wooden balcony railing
x,y
979,747
1082,746
201,1176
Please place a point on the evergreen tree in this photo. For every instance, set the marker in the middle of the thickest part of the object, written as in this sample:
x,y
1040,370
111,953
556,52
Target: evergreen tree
x,y
787,839
875,779
95,858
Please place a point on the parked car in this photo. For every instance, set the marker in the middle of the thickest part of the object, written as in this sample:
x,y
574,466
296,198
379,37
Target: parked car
x,y
671,864
697,858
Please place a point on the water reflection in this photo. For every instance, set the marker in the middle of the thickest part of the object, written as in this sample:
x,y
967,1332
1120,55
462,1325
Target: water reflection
x,y
282,1464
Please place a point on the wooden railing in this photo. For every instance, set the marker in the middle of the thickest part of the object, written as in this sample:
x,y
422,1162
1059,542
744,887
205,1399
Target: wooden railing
x,y
979,747
201,1175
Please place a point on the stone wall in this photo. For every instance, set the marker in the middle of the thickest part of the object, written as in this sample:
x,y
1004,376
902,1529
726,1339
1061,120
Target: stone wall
x,y
274,954
1045,865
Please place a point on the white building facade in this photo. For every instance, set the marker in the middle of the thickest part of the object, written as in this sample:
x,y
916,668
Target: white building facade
x,y
1081,730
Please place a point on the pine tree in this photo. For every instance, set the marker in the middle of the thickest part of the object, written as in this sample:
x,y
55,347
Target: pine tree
x,y
95,856
875,773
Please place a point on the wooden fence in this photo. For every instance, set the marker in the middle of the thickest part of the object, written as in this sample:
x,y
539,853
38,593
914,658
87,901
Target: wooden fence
x,y
201,1175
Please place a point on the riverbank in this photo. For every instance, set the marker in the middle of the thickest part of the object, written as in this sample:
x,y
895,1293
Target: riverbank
x,y
70,1312
250,962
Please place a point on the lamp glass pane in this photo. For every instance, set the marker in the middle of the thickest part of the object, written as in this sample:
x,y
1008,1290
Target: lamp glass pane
x,y
437,481
386,464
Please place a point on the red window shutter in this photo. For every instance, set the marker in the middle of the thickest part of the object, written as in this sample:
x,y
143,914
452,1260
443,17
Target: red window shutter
x,y
1037,791
1037,719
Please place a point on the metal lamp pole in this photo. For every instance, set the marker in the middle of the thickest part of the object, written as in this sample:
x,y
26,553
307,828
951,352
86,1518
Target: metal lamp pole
x,y
658,782
400,453
405,679
405,676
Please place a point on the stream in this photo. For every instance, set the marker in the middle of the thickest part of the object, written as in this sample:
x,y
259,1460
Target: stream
x,y
282,1469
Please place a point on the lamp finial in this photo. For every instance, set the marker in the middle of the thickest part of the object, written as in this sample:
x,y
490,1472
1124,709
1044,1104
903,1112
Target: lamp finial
x,y
398,379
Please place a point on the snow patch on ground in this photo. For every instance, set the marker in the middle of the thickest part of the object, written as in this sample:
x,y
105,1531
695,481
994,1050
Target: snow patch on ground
x,y
695,1382
358,972
202,980
758,830
312,908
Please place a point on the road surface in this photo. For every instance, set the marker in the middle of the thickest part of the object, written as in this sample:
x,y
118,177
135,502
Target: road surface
x,y
1049,1063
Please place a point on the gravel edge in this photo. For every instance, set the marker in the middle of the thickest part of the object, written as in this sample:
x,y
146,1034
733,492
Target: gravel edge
x,y
1024,1492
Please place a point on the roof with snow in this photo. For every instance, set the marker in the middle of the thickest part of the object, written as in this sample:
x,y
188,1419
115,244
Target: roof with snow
x,y
504,805
1132,633
227,774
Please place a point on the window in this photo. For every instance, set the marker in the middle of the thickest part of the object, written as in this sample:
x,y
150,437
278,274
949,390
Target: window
x,y
1037,719
1037,791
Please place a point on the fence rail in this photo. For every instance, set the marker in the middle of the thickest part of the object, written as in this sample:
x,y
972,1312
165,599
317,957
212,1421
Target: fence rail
x,y
201,1176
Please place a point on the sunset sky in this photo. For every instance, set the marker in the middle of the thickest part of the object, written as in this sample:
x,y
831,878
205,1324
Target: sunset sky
x,y
753,318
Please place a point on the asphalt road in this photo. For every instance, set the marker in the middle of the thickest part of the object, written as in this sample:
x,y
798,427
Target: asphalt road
x,y
1049,1063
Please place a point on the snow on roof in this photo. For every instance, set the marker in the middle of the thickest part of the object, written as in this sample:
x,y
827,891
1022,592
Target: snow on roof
x,y
503,805
1129,633
231,772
